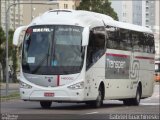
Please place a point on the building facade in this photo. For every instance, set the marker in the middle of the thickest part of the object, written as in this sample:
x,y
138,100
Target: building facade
x,y
30,11
128,11
15,14
152,21
34,10
23,14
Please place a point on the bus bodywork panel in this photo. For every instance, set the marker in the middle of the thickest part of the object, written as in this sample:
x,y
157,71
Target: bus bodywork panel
x,y
121,72
60,93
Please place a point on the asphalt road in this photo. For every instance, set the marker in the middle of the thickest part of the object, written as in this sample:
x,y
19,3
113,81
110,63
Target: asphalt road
x,y
148,109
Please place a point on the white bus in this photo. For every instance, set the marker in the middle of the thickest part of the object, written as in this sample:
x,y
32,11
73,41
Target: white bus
x,y
81,56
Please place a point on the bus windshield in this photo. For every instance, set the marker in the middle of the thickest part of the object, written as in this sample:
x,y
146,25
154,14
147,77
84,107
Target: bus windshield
x,y
52,50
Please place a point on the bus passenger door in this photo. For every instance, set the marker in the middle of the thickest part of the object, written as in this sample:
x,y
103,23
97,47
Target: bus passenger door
x,y
95,60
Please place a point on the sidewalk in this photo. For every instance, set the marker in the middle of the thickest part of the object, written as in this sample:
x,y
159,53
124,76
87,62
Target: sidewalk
x,y
13,88
11,85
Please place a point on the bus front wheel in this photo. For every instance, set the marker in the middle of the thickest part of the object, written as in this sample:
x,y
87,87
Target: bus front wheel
x,y
45,104
99,101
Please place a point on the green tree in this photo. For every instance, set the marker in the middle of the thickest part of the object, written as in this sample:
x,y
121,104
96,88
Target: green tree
x,y
99,6
2,53
13,54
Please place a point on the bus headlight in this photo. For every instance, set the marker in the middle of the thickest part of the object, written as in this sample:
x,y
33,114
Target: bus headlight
x,y
79,85
24,85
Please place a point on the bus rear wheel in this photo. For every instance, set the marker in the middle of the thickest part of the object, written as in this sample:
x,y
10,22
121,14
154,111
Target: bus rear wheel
x,y
45,104
134,101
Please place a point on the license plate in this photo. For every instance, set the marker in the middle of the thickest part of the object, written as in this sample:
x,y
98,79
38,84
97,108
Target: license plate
x,y
48,94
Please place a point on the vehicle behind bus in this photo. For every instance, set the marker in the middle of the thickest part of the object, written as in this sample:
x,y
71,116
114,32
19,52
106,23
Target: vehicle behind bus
x,y
157,71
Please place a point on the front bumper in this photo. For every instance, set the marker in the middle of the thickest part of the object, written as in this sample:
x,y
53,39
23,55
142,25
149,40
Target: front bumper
x,y
59,95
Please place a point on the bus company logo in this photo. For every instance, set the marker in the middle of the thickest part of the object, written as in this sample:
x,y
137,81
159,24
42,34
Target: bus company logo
x,y
49,80
115,64
47,77
135,66
42,30
67,78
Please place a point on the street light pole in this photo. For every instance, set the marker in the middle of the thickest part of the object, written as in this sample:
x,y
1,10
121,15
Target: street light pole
x,y
7,10
31,10
19,11
7,53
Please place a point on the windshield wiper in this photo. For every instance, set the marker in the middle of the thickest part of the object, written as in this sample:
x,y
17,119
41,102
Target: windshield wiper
x,y
41,62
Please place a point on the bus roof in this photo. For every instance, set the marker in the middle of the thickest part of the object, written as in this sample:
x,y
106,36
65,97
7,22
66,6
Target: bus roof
x,y
83,18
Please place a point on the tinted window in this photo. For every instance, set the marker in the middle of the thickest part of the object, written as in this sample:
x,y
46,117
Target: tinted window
x,y
125,40
53,50
137,42
146,43
96,47
149,43
118,38
112,41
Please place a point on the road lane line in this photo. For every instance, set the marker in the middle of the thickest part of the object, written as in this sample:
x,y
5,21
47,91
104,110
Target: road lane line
x,y
149,103
92,113
147,99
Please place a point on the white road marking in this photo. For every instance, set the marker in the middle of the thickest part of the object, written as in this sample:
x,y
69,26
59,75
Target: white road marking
x,y
147,99
92,113
149,103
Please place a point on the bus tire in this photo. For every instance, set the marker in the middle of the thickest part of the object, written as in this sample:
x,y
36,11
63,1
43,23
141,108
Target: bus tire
x,y
134,101
127,102
45,104
99,101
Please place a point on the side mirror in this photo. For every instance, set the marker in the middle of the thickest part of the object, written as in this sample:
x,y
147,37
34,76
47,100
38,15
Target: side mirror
x,y
85,36
19,35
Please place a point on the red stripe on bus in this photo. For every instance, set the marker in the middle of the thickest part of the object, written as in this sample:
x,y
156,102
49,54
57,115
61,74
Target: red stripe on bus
x,y
117,55
141,57
58,80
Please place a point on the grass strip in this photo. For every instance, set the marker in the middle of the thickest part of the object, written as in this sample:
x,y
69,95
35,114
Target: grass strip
x,y
11,96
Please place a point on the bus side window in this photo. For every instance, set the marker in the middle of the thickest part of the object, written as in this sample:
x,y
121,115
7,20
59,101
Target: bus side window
x,y
99,43
141,42
152,44
96,46
148,43
112,41
90,49
136,42
125,40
